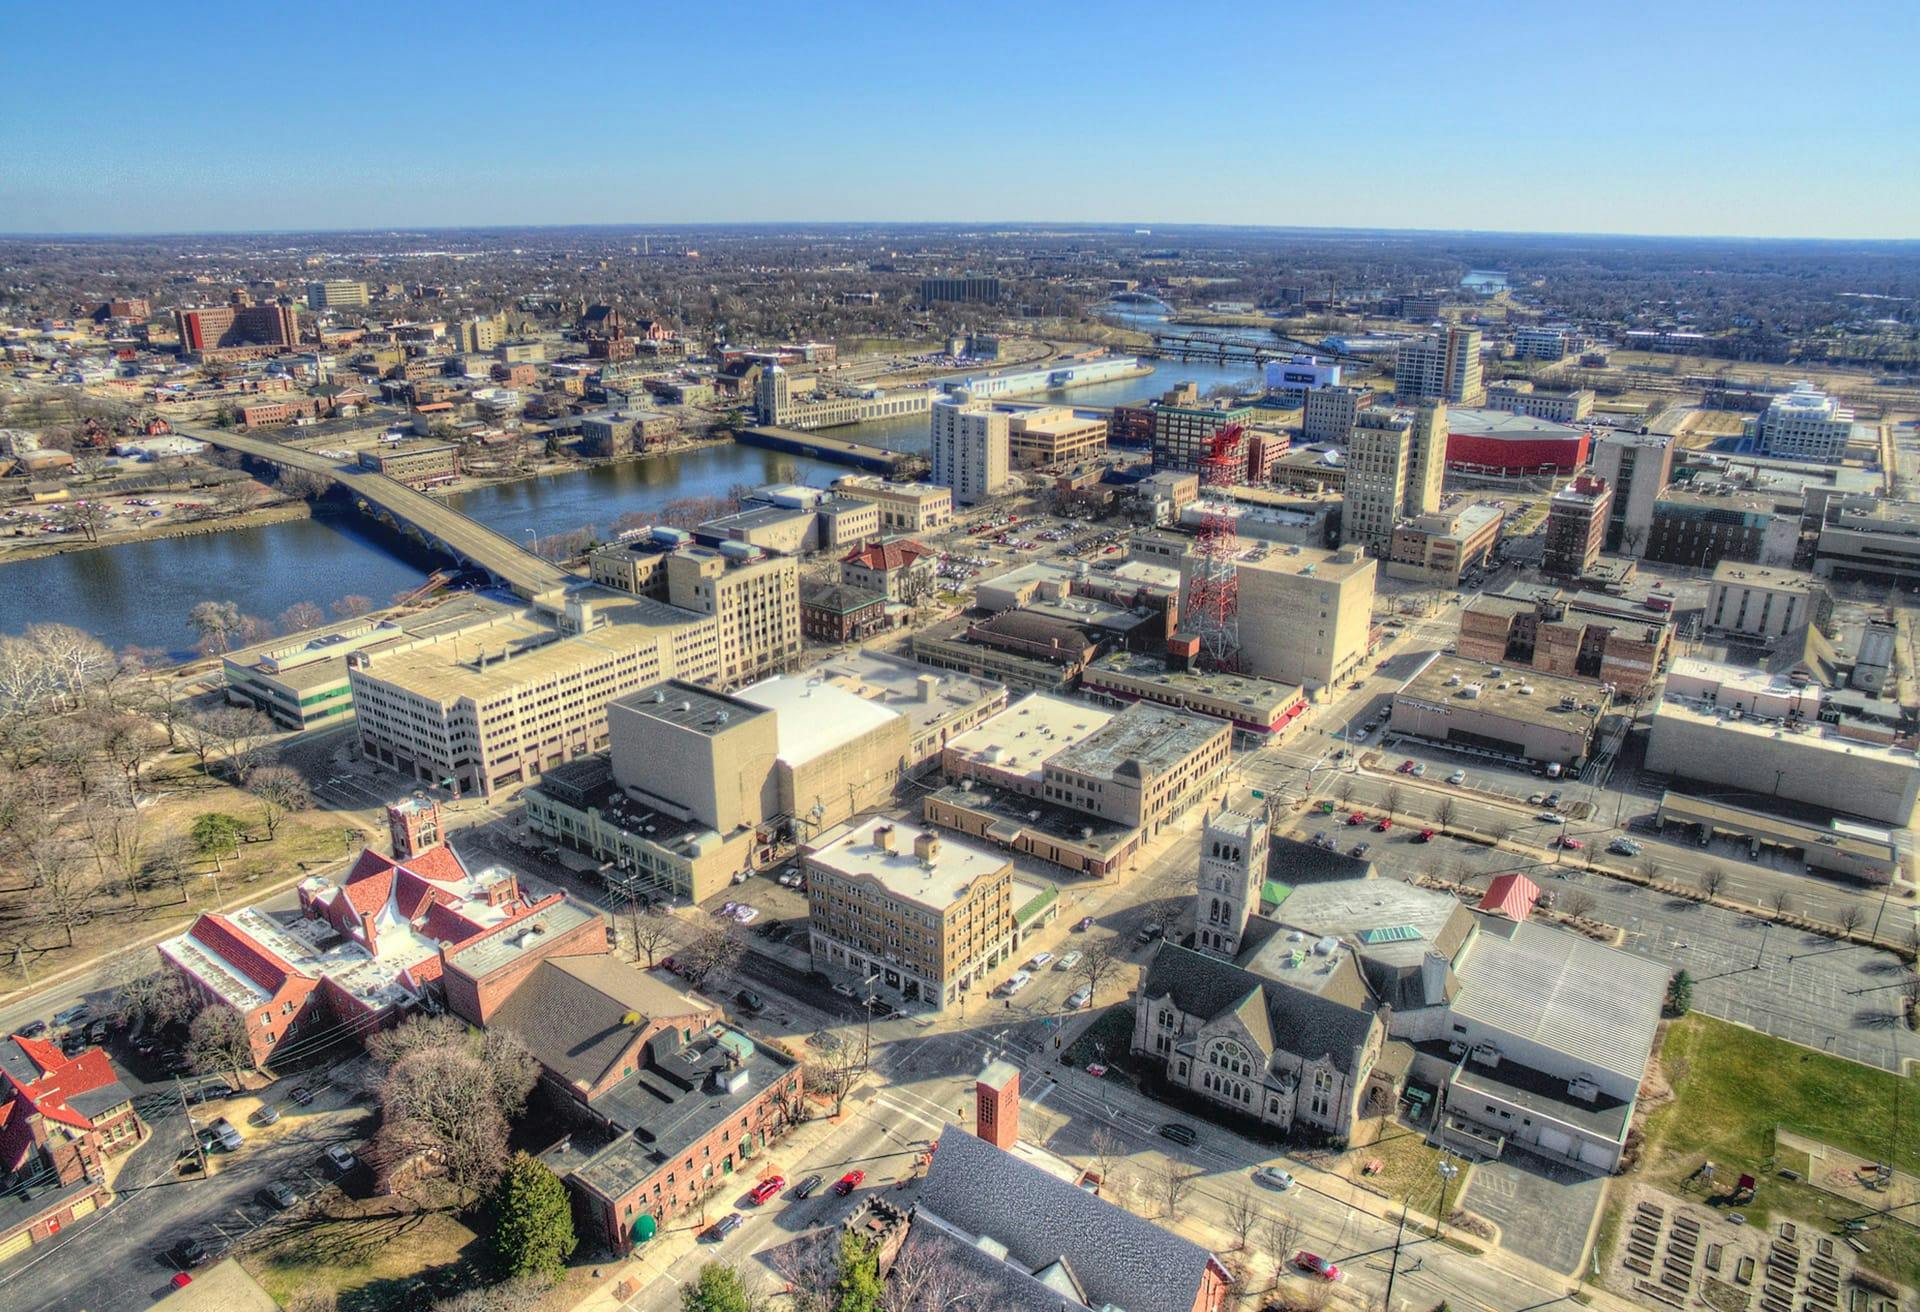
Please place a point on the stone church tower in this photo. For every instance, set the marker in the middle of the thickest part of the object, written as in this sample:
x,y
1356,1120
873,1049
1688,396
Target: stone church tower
x,y
1233,865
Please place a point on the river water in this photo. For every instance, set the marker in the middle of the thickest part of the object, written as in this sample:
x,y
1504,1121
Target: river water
x,y
139,594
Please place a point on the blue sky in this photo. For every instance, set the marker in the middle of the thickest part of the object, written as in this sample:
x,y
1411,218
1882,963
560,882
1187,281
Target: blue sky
x,y
1754,119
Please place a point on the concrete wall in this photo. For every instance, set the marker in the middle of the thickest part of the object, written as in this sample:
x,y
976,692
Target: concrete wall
x,y
1865,782
724,777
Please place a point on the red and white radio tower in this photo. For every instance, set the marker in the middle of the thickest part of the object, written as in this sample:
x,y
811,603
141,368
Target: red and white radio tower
x,y
1213,590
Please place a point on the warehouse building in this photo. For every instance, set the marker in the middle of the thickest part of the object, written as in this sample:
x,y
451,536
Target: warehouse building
x,y
1513,715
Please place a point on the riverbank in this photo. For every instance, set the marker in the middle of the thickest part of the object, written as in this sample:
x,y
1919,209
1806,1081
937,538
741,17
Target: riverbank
x,y
22,549
574,465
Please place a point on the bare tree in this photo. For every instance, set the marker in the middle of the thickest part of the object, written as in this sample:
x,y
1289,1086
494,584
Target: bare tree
x,y
120,847
1781,901
1343,788
301,616
1577,903
216,622
238,733
1444,813
1282,1239
145,993
279,789
66,885
649,929
1850,917
122,739
217,1041
389,1048
88,518
1713,881
171,862
438,1103
1391,799
709,952
1243,1214
835,1071
1107,1149
924,1278
1500,831
1098,960
351,606
1171,1185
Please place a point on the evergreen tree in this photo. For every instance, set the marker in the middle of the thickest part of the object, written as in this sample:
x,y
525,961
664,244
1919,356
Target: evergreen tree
x,y
717,1290
858,1289
533,1223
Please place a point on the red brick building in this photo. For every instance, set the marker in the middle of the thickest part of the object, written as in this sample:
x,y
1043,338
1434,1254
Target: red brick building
x,y
837,612
60,1118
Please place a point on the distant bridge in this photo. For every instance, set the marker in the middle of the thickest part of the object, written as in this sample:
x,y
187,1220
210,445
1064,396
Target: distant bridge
x,y
838,449
1224,350
430,522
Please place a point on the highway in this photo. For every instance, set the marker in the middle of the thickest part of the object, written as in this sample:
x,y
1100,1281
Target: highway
x,y
465,539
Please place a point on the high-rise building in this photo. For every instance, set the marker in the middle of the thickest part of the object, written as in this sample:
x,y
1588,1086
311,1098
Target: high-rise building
x,y
1576,525
478,334
1379,457
1444,366
754,595
971,288
1638,466
1427,459
970,448
1329,412
1233,865
1803,424
237,326
1531,342
337,294
1183,426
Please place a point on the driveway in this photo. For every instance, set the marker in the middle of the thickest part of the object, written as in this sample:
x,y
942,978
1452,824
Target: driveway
x,y
1544,1210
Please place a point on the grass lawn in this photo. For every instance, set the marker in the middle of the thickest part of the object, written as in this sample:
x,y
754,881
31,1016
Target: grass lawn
x,y
375,1254
1408,1165
1107,1041
1734,1086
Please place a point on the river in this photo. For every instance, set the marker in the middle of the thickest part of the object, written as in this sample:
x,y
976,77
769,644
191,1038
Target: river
x,y
138,594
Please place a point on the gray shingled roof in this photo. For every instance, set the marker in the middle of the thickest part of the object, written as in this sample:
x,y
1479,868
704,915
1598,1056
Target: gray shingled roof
x,y
1120,1258
569,1012
1333,1024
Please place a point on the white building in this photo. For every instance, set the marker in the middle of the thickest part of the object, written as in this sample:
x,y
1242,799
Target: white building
x,y
1302,373
970,447
1804,423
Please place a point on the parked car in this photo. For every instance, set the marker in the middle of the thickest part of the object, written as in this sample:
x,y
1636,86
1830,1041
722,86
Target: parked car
x,y
229,1137
1084,924
1039,960
750,1002
1571,844
1272,1177
1081,997
278,1196
266,1114
33,1029
767,1188
1537,799
341,1157
1424,836
1314,1264
1150,931
190,1252
1068,962
1406,766
720,1229
70,1017
1553,798
806,1188
1015,982
1357,818
1624,847
302,1095
847,1183
1419,769
1360,849
1385,823
1179,1133
1457,778
1548,817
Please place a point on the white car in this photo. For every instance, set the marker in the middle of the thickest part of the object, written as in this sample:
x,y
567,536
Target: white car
x,y
1015,982
1457,778
1082,996
1067,962
745,914
1039,960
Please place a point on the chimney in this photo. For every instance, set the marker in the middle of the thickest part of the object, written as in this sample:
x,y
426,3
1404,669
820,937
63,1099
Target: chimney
x,y
926,846
366,927
928,683
996,1105
883,837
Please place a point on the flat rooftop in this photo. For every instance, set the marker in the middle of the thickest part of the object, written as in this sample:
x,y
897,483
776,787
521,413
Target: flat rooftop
x,y
814,716
1024,737
689,706
1762,576
1515,692
1257,696
1307,562
1598,1005
1380,918
854,853
926,697
1153,738
1500,423
318,656
1014,814
1814,737
499,949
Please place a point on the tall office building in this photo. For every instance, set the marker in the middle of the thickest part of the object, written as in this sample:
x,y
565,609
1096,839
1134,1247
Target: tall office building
x,y
972,288
1638,466
1183,426
1446,367
1305,615
970,447
1803,424
1328,413
1379,458
478,334
337,294
1427,454
1576,526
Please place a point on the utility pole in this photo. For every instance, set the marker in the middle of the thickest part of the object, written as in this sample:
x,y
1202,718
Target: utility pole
x,y
200,1149
1393,1263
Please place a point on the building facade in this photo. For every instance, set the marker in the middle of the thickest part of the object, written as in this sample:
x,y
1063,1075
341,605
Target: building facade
x,y
969,448
1638,466
1576,530
1441,366
904,507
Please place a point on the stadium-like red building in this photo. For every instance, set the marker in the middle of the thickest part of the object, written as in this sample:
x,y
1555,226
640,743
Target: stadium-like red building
x,y
1512,446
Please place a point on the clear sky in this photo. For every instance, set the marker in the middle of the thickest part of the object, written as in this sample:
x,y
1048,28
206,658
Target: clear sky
x,y
1664,116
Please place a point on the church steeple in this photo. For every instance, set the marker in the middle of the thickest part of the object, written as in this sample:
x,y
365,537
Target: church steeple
x,y
1233,864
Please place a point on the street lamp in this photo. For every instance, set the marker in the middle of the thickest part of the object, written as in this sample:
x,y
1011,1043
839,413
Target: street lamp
x,y
1448,1170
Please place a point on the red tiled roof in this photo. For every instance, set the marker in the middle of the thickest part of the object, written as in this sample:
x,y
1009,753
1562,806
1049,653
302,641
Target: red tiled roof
x,y
448,926
1511,896
896,554
61,1078
441,864
239,951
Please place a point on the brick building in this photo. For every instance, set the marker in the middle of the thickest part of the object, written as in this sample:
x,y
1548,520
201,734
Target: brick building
x,y
839,612
1584,635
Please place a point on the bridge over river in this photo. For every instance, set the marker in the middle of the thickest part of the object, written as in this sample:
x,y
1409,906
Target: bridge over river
x,y
416,514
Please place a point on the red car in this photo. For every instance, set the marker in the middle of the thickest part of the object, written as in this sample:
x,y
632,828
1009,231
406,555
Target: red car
x,y
847,1183
1406,766
1571,844
1386,823
1357,818
1314,1264
767,1188
1424,836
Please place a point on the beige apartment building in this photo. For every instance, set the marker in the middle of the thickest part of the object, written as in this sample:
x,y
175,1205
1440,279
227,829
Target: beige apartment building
x,y
1378,457
921,916
1053,436
1306,616
1444,366
904,507
754,596
969,451
1328,413
417,464
495,707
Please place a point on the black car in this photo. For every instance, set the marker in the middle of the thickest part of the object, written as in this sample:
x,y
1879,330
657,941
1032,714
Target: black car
x,y
302,1095
720,1229
750,1002
1178,1133
190,1252
806,1187
278,1196
33,1029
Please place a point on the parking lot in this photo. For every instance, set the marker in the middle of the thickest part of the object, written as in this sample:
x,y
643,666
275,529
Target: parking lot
x,y
1544,1210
